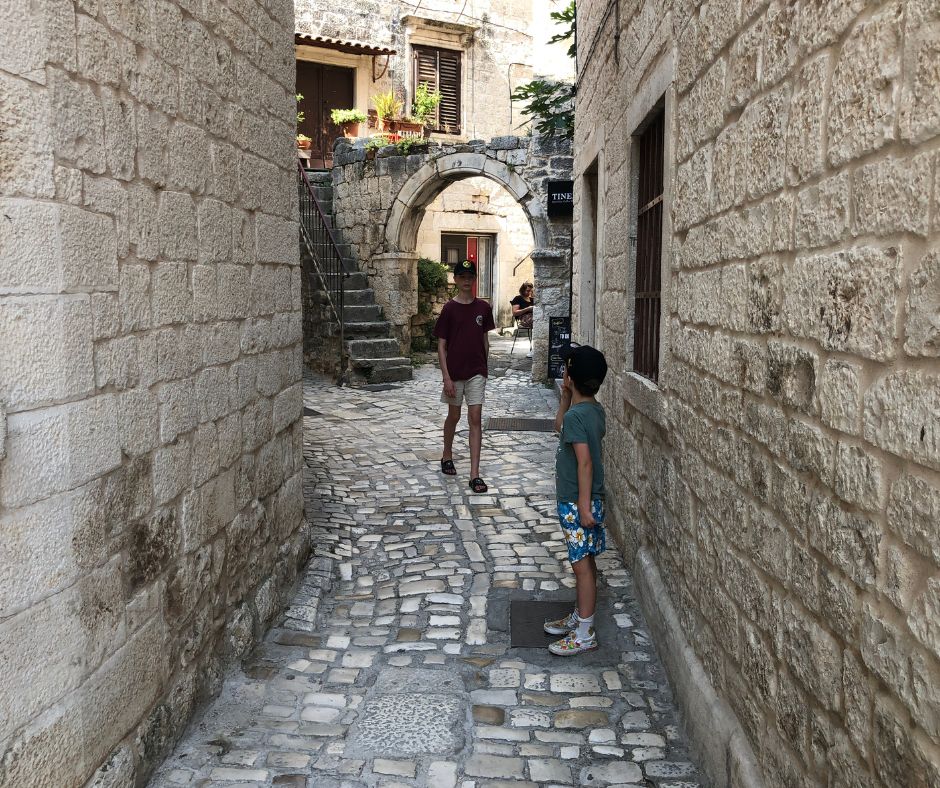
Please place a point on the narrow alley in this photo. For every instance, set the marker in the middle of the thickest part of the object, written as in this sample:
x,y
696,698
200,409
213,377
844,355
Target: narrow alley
x,y
395,664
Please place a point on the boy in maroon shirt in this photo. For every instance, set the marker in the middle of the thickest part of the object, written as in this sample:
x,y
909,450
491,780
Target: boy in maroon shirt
x,y
462,347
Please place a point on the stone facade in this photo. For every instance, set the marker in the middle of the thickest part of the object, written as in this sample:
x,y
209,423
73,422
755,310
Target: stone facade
x,y
379,206
150,368
783,477
501,50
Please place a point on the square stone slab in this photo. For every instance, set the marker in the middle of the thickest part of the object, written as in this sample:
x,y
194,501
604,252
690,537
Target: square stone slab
x,y
410,712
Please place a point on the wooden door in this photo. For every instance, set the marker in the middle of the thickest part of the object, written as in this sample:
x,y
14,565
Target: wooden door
x,y
324,88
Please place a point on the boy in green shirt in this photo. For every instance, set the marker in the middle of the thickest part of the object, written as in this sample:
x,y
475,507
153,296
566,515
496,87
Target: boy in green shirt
x,y
579,490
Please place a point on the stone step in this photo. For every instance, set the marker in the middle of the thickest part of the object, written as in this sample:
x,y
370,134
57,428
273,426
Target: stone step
x,y
393,374
367,328
353,280
361,313
378,363
359,297
372,348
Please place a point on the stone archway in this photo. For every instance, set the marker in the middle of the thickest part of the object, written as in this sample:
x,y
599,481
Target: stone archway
x,y
379,206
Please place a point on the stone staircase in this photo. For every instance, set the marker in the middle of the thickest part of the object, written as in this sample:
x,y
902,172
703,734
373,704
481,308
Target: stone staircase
x,y
374,353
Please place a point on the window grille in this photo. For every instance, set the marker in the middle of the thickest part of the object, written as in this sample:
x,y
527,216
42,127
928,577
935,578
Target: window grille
x,y
440,69
649,225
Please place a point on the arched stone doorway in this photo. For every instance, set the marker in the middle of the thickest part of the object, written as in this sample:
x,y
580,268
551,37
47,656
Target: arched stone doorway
x,y
379,206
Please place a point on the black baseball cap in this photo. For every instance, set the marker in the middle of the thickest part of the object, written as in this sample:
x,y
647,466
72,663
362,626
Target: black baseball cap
x,y
585,364
466,267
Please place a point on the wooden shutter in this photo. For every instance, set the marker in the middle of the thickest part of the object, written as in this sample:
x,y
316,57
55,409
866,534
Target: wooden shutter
x,y
448,110
440,69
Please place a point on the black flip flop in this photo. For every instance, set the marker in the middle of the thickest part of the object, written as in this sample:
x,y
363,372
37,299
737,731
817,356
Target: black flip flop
x,y
447,467
478,485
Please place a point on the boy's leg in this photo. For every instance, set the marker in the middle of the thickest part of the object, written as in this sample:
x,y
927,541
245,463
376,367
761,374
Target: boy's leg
x,y
585,577
475,418
450,427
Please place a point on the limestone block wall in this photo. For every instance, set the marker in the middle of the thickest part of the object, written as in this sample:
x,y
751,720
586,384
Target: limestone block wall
x,y
784,475
150,367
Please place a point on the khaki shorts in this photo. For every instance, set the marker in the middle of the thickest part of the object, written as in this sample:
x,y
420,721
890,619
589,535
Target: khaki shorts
x,y
470,390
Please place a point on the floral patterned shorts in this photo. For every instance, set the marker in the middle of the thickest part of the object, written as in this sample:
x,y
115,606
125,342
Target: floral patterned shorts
x,y
582,541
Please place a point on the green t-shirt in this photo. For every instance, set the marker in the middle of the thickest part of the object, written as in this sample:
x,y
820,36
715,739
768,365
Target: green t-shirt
x,y
585,422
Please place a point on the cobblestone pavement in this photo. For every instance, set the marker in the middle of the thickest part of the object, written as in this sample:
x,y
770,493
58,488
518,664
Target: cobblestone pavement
x,y
393,665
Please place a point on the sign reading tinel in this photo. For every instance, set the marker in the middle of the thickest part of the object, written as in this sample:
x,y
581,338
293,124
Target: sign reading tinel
x,y
560,199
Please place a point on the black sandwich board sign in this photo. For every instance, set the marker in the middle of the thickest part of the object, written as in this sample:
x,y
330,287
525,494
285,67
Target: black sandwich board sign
x,y
559,336
560,199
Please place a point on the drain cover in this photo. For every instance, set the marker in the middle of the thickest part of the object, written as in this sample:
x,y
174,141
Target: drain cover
x,y
526,617
520,425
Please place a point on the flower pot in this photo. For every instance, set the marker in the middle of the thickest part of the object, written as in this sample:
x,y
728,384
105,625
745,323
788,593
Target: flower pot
x,y
304,144
351,129
388,124
410,126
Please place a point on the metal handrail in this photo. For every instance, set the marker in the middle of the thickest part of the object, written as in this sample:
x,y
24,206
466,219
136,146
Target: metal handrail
x,y
324,253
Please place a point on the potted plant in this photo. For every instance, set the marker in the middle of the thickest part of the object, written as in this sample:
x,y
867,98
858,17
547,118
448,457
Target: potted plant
x,y
387,107
349,120
412,125
424,105
303,142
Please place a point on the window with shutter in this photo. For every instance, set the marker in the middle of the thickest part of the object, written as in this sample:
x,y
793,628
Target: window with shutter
x,y
440,69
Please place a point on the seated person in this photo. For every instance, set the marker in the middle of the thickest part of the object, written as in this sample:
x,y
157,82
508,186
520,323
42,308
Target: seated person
x,y
523,305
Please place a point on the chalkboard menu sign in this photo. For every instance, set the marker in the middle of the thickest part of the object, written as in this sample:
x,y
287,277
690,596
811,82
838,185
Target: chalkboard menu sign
x,y
559,337
560,198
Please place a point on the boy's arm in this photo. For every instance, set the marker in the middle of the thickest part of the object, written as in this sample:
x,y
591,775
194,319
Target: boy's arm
x,y
564,402
585,481
449,388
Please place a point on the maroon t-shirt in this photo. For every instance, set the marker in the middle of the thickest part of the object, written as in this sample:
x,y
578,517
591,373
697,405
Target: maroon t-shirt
x,y
464,326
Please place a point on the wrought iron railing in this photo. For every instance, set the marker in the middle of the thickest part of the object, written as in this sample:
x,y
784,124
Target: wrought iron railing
x,y
327,262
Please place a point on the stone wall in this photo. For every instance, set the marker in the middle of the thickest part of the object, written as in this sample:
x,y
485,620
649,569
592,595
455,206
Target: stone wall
x,y
150,367
784,476
379,204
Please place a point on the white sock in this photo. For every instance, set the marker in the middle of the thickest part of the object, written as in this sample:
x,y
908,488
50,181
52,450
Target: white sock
x,y
584,626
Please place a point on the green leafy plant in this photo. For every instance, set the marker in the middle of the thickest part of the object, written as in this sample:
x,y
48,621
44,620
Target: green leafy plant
x,y
377,141
342,116
407,144
387,105
432,275
550,103
426,101
300,114
568,17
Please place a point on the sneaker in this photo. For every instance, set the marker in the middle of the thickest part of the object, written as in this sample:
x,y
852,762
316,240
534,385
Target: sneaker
x,y
562,626
529,354
571,644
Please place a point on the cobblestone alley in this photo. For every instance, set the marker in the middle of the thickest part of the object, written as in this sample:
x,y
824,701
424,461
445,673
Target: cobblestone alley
x,y
394,664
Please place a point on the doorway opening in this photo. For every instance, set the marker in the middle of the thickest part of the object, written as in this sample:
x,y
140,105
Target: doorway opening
x,y
478,249
323,88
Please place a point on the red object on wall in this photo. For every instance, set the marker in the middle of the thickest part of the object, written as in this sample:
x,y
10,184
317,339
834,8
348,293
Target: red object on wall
x,y
472,257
